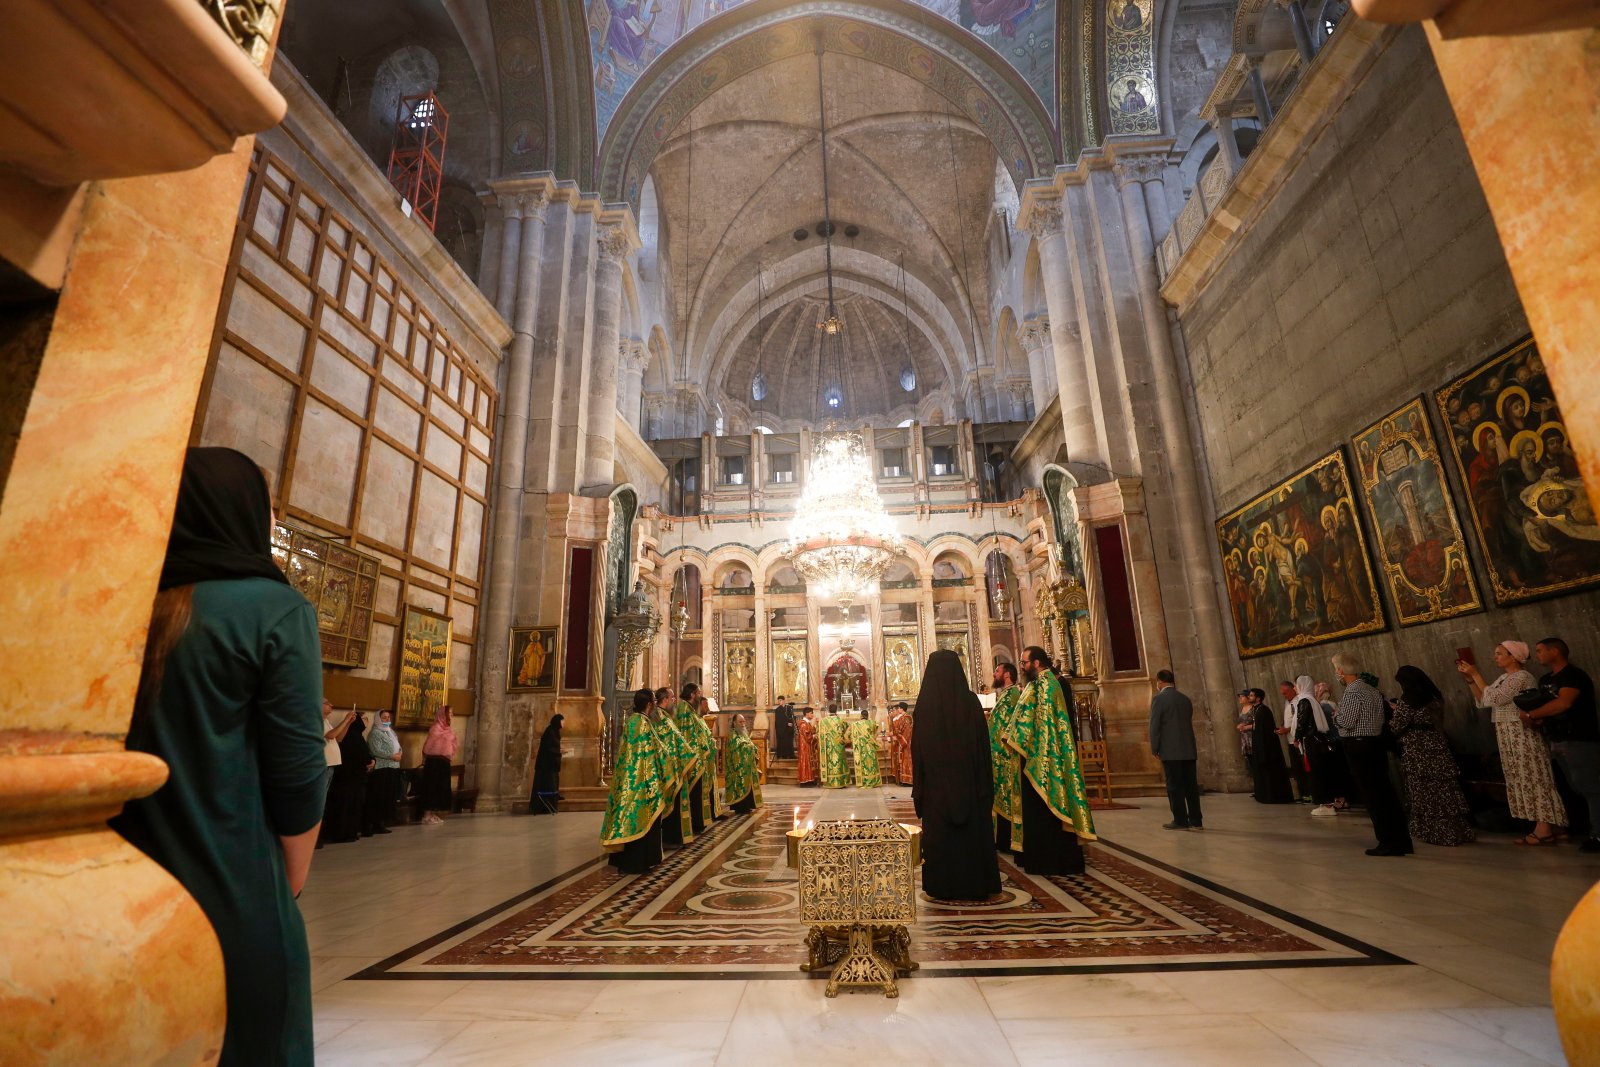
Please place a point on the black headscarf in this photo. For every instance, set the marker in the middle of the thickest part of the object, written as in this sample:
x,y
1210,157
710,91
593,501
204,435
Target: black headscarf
x,y
221,526
950,745
1416,688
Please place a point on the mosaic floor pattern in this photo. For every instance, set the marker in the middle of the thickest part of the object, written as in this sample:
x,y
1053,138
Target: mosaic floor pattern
x,y
725,906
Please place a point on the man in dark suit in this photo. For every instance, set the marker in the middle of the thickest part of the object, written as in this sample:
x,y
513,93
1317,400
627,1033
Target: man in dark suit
x,y
1172,741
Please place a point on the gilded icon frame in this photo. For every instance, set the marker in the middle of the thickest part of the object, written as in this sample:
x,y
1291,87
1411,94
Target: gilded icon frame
x,y
1388,484
518,645
1325,484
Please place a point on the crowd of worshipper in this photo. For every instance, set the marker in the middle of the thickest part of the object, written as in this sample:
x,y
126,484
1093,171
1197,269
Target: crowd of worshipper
x,y
663,792
364,786
1339,753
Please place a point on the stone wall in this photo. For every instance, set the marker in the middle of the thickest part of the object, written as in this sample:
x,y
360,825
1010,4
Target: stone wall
x,y
359,366
1200,44
1375,274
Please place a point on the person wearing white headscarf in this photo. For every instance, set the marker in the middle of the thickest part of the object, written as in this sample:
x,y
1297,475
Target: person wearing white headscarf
x,y
1524,752
1311,729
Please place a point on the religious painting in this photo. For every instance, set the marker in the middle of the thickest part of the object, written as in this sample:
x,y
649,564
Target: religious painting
x,y
959,642
791,678
738,672
902,666
424,666
1421,551
1296,564
531,660
1523,491
341,584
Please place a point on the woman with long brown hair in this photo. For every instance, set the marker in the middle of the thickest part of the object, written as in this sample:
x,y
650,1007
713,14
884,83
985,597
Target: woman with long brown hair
x,y
230,699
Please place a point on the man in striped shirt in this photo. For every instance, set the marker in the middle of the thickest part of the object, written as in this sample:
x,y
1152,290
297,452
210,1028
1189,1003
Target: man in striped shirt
x,y
1361,715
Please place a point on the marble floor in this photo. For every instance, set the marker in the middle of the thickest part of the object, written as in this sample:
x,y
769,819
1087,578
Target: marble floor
x,y
1477,923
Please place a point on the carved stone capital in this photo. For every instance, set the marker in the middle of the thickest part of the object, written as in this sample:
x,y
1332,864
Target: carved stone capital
x,y
634,354
1034,333
1044,220
614,243
1145,168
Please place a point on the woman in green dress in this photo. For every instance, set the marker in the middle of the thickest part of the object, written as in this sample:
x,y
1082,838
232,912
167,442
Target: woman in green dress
x,y
742,770
864,743
230,698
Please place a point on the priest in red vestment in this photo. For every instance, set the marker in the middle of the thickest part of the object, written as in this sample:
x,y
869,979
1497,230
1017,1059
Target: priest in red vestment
x,y
900,743
805,731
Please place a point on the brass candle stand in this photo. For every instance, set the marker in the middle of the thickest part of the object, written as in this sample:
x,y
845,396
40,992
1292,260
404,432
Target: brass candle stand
x,y
858,900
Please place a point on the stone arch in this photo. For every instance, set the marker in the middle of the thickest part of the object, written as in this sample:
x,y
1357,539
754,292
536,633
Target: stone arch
x,y
897,34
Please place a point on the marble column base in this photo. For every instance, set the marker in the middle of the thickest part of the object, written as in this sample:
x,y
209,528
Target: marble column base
x,y
106,958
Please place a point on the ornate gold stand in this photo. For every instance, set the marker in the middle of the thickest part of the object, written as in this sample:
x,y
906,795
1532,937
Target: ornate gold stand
x,y
857,897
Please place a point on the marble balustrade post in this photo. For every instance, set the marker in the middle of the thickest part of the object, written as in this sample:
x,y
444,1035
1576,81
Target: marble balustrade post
x,y
524,232
1135,175
600,449
1072,372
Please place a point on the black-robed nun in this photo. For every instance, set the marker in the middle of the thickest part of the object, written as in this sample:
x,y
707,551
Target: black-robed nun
x,y
547,764
953,785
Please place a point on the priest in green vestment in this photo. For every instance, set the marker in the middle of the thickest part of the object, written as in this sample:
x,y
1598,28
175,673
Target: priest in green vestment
x,y
742,769
830,747
1007,764
631,832
680,760
864,743
1055,804
702,786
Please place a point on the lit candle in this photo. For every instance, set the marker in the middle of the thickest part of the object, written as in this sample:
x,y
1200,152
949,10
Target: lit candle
x,y
797,817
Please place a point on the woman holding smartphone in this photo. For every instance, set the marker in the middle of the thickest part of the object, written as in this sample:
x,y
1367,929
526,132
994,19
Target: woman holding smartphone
x,y
1524,753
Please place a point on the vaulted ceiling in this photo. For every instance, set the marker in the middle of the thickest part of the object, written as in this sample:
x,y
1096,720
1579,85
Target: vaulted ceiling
x,y
739,184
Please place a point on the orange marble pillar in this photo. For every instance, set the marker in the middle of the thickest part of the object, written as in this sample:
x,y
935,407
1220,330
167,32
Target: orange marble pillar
x,y
1527,109
109,960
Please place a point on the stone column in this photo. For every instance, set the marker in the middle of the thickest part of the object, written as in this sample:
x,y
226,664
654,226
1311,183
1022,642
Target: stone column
x,y
1072,373
1227,141
506,284
600,449
1034,336
1258,93
763,630
1139,183
107,958
635,357
494,224
524,232
1302,32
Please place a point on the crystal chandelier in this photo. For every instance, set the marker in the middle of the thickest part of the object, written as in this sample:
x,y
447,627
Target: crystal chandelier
x,y
841,540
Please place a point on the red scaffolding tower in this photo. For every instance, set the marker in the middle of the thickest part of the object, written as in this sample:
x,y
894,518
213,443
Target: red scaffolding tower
x,y
416,163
